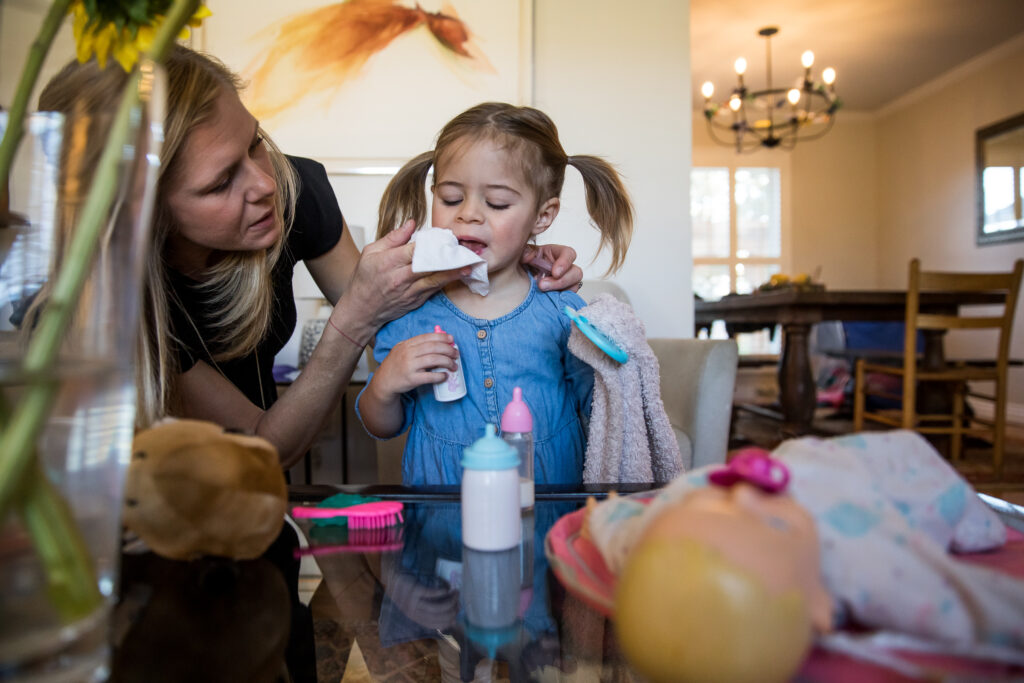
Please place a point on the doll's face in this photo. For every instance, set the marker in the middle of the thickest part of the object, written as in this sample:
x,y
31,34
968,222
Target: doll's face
x,y
771,535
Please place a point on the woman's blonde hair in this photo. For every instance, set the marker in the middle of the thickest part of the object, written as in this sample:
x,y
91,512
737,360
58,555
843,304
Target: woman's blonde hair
x,y
531,138
238,288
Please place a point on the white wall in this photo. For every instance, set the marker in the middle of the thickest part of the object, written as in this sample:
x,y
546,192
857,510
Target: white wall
x,y
829,211
925,183
19,22
616,80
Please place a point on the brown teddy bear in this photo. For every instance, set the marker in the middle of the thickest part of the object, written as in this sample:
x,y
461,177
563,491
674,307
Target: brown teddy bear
x,y
194,489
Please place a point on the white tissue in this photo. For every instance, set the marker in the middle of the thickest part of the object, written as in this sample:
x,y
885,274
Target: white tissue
x,y
439,249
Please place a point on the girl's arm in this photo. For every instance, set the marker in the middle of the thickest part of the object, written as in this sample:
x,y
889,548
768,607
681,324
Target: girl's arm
x,y
407,366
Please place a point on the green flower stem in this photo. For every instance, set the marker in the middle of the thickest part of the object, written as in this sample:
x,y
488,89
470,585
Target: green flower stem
x,y
21,432
29,416
71,581
16,115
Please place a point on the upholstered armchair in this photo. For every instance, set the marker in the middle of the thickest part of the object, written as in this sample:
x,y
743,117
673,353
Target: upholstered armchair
x,y
697,381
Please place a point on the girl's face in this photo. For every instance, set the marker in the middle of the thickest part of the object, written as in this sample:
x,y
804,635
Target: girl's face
x,y
480,194
222,195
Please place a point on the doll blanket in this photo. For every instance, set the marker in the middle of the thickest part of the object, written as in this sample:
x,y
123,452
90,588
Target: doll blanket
x,y
889,511
630,438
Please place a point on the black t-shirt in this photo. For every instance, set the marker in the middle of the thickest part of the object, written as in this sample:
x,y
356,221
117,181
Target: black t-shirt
x,y
316,229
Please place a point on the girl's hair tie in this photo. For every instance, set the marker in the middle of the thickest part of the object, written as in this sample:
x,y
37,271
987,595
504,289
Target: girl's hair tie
x,y
755,466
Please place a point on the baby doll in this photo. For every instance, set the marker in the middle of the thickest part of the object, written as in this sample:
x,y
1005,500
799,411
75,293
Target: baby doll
x,y
876,513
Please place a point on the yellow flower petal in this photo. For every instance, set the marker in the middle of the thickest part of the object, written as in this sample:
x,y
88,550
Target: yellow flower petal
x,y
144,38
197,19
83,40
126,53
104,39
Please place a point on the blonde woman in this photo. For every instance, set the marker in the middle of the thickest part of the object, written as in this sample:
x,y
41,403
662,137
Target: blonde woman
x,y
233,216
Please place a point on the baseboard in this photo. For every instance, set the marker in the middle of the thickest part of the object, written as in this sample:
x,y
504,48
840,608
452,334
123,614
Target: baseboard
x,y
985,409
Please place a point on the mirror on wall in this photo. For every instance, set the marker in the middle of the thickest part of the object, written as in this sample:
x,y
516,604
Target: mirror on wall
x,y
1000,193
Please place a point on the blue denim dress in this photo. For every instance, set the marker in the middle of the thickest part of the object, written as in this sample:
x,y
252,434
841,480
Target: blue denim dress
x,y
528,348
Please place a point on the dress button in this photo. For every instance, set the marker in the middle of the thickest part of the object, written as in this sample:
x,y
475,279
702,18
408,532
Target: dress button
x,y
488,382
481,334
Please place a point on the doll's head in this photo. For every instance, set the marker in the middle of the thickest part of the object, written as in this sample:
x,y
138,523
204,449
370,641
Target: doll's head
x,y
723,585
523,144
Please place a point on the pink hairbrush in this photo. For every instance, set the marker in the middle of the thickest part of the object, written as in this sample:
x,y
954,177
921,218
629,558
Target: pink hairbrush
x,y
378,540
754,466
375,515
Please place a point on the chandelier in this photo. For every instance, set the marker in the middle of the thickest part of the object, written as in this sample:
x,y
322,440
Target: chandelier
x,y
772,117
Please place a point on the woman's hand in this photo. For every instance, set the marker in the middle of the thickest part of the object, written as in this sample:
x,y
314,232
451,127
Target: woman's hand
x,y
555,262
384,286
411,363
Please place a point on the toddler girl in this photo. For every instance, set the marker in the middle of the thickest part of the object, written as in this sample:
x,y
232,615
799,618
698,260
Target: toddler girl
x,y
498,173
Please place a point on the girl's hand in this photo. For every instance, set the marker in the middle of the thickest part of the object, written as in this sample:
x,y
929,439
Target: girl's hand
x,y
384,286
555,263
410,362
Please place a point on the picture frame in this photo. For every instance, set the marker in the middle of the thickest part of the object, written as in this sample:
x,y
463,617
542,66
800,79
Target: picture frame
x,y
363,98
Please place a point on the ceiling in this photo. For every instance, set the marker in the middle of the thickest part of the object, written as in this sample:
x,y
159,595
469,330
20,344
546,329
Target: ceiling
x,y
880,49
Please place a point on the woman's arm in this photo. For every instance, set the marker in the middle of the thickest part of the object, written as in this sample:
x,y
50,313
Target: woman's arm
x,y
382,287
334,270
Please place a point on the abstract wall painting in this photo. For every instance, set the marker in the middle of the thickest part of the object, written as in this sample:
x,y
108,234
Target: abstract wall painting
x,y
370,80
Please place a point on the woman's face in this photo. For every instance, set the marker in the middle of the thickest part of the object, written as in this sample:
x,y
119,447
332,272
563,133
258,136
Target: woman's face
x,y
222,194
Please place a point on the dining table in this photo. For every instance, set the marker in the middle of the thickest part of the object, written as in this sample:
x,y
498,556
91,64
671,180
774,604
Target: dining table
x,y
410,602
796,309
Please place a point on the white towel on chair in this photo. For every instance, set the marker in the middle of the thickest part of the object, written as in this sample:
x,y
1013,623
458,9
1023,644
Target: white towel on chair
x,y
630,437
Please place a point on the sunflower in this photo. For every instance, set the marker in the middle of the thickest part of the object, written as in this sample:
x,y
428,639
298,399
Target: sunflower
x,y
122,29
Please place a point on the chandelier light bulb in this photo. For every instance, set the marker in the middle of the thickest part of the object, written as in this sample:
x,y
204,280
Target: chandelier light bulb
x,y
777,113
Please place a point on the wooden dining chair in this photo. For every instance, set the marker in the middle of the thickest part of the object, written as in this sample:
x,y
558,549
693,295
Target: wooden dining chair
x,y
956,423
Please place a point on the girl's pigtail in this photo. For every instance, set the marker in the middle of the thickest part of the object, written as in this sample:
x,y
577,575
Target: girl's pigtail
x,y
405,197
608,204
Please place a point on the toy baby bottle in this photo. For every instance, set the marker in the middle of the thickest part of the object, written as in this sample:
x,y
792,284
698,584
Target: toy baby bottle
x,y
490,494
454,385
517,431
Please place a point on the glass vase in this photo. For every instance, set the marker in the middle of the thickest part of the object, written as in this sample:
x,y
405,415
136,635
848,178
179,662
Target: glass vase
x,y
85,445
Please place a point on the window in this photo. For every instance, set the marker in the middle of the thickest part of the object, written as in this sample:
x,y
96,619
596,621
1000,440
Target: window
x,y
1003,197
738,240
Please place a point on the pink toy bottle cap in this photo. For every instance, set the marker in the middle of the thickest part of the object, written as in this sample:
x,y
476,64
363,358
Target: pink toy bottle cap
x,y
438,330
516,417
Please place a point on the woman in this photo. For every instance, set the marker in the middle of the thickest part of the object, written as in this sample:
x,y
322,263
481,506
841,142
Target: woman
x,y
232,217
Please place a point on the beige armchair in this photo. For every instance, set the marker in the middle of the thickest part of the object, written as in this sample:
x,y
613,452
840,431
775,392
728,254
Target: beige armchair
x,y
697,381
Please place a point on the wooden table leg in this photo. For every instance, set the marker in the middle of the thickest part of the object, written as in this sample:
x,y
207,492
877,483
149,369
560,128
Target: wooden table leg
x,y
798,393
